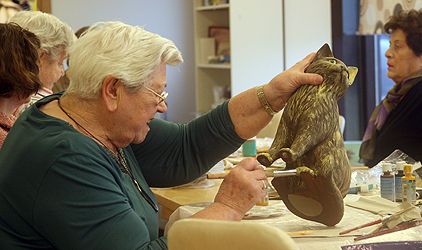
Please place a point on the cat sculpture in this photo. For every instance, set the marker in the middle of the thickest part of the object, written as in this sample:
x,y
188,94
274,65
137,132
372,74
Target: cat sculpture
x,y
309,140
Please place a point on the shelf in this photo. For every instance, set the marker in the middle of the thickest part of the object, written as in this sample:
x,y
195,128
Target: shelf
x,y
214,66
213,7
254,25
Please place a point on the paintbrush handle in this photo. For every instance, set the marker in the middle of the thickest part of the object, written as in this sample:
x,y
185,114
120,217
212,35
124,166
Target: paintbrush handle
x,y
361,226
390,230
268,173
217,176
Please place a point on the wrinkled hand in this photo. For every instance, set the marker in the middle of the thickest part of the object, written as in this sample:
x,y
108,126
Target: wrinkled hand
x,y
285,84
242,188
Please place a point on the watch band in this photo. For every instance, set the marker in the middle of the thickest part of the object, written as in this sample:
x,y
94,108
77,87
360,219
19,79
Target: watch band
x,y
263,100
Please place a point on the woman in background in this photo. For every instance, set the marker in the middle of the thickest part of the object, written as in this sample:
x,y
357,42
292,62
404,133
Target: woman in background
x,y
396,121
18,72
56,38
63,82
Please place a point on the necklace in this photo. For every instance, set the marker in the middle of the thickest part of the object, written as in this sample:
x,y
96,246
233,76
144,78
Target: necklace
x,y
120,159
79,125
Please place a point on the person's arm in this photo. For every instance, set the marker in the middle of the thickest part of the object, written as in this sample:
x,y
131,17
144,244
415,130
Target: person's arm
x,y
248,114
175,154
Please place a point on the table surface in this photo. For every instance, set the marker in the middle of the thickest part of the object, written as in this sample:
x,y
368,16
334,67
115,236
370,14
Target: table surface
x,y
312,235
178,199
172,198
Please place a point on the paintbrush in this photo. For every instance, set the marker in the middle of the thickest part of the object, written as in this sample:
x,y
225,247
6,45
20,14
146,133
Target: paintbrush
x,y
268,173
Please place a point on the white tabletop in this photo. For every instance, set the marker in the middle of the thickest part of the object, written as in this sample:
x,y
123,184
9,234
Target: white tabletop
x,y
313,235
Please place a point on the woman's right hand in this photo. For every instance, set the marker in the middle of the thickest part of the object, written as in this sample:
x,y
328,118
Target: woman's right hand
x,y
241,189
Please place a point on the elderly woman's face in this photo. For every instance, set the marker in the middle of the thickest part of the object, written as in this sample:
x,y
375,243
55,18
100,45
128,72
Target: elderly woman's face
x,y
51,70
138,109
401,60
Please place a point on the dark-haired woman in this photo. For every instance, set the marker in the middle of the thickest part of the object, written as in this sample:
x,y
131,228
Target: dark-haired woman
x,y
396,121
18,72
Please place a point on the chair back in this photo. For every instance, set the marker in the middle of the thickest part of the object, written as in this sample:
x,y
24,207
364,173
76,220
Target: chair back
x,y
342,123
201,234
271,129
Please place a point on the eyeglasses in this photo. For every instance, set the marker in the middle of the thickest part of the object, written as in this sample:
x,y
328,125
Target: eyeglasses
x,y
162,97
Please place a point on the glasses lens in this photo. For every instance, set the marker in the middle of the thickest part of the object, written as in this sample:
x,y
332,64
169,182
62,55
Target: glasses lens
x,y
164,96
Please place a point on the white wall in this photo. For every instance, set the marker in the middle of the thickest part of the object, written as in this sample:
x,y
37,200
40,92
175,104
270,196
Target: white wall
x,y
307,27
172,19
256,37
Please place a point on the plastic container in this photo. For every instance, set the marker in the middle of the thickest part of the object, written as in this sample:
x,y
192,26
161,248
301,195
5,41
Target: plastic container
x,y
387,182
408,186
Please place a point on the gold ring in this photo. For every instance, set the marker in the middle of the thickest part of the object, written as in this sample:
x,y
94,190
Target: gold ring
x,y
265,185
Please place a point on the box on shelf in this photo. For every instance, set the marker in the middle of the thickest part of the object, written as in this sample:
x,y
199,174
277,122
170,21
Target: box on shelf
x,y
207,48
214,2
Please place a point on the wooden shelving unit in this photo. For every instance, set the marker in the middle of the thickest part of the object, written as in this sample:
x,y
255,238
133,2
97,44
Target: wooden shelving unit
x,y
208,75
44,5
256,46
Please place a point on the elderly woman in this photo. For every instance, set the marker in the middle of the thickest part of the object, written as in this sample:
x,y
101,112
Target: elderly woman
x,y
18,72
56,38
396,122
105,149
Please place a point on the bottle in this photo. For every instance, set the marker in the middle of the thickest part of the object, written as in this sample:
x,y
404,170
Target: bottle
x,y
387,182
397,180
265,201
408,186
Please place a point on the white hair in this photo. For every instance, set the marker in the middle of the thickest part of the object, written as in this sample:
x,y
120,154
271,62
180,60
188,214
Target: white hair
x,y
55,36
127,52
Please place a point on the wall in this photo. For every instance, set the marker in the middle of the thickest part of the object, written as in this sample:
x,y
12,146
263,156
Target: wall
x,y
170,19
307,26
306,30
256,42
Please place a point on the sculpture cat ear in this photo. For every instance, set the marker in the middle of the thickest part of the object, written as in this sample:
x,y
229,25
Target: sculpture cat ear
x,y
324,51
353,71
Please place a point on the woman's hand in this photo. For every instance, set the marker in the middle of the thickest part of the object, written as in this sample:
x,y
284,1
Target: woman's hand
x,y
247,112
241,189
282,86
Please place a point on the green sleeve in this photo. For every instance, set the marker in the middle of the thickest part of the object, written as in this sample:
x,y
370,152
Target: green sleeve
x,y
174,154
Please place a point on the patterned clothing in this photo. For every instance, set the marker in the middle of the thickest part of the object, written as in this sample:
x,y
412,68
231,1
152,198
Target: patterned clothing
x,y
395,123
38,96
6,122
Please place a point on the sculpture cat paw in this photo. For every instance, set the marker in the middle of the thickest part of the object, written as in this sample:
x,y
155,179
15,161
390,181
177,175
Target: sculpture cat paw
x,y
305,170
288,155
265,159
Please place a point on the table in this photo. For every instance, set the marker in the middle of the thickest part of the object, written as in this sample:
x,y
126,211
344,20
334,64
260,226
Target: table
x,y
312,235
178,201
172,198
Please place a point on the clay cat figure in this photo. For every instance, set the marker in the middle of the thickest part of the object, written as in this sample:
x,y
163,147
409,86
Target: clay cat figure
x,y
309,139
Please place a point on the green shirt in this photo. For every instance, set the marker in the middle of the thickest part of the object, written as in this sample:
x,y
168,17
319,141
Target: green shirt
x,y
59,189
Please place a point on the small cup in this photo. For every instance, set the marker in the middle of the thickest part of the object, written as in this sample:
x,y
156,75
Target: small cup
x,y
249,147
